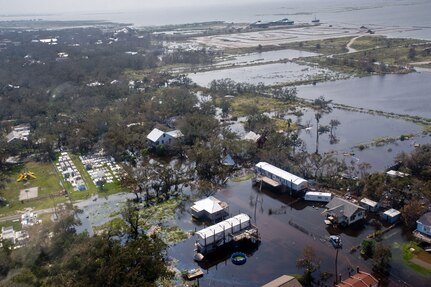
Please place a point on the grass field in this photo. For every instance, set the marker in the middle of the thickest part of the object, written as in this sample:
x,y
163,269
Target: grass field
x,y
46,180
412,251
242,105
50,184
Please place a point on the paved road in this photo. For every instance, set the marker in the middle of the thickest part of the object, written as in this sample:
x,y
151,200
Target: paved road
x,y
18,216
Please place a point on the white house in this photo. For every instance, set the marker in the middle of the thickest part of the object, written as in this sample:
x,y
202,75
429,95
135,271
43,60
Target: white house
x,y
20,132
157,137
252,136
210,208
395,173
343,212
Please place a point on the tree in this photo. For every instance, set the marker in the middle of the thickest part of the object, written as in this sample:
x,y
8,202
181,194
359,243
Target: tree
x,y
333,124
367,247
309,263
130,214
225,107
411,212
317,116
208,161
381,259
412,53
136,180
322,104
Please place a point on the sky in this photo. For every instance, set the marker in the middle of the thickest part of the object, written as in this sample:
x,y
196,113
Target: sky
x,y
63,6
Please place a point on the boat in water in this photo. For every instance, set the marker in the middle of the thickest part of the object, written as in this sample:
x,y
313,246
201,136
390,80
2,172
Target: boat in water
x,y
315,20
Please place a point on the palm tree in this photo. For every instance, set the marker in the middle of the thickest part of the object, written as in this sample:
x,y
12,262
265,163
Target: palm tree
x,y
317,116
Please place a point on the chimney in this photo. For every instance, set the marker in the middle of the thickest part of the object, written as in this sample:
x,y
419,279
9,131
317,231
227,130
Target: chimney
x,y
357,269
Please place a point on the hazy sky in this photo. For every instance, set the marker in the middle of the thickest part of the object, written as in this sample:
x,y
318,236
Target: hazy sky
x,y
53,6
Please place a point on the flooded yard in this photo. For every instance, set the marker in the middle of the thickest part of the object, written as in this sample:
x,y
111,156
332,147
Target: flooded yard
x,y
285,230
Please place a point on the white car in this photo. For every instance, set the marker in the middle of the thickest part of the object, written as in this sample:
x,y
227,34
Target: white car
x,y
335,241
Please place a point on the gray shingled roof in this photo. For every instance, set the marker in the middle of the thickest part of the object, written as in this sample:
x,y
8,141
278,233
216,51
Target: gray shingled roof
x,y
343,206
425,219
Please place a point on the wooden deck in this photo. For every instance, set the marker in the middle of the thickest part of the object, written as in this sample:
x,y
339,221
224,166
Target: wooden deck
x,y
194,273
249,234
422,237
267,180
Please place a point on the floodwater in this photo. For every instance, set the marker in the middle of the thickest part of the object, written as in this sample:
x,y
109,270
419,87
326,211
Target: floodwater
x,y
362,129
285,231
402,94
263,57
355,128
99,210
402,13
269,74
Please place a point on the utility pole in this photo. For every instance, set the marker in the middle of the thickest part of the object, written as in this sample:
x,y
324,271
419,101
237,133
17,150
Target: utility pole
x,y
336,266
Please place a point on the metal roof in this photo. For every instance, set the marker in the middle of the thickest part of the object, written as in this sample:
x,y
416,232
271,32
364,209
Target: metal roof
x,y
175,134
209,204
222,226
280,173
343,206
369,202
318,193
425,219
392,212
154,135
252,136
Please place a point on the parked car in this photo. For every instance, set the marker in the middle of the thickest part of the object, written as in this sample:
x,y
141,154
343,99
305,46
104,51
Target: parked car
x,y
335,241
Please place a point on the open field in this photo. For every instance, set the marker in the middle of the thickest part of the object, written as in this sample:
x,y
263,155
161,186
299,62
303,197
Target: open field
x,y
50,185
46,180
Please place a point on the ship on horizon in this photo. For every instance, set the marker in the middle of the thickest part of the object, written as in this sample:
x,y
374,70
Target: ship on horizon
x,y
282,22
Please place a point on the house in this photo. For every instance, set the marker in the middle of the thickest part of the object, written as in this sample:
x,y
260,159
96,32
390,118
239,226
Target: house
x,y
391,215
158,137
369,204
283,281
395,173
210,208
20,132
423,228
275,176
343,212
7,233
228,161
252,136
360,279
